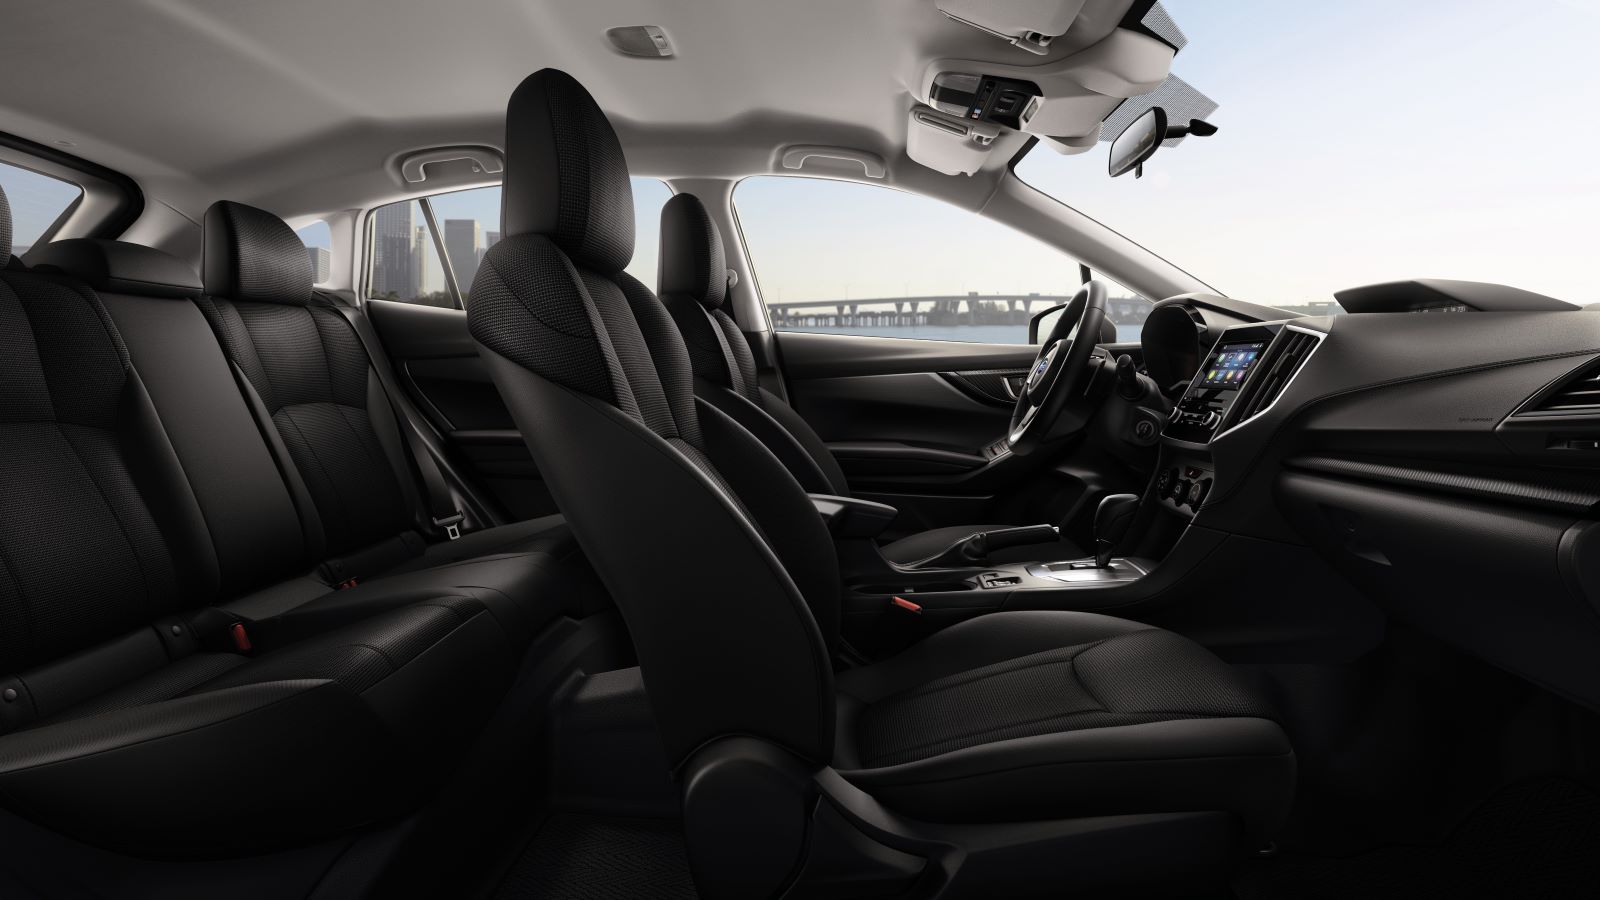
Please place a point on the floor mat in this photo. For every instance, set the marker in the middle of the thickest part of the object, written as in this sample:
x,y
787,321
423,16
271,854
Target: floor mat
x,y
581,857
1536,840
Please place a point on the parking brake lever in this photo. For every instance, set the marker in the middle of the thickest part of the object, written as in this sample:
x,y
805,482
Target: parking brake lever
x,y
974,549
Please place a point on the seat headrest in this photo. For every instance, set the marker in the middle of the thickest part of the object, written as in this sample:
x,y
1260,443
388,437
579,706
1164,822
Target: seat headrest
x,y
118,267
692,263
566,177
5,229
254,256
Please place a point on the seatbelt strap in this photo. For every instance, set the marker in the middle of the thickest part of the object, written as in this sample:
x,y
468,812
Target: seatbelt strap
x,y
442,507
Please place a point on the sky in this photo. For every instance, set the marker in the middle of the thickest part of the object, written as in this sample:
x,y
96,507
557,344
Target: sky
x,y
1364,141
1360,141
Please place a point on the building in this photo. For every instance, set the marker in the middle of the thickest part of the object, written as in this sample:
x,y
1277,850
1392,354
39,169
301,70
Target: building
x,y
394,270
421,252
461,240
321,264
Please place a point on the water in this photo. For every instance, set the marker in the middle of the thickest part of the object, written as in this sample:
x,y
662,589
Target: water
x,y
983,334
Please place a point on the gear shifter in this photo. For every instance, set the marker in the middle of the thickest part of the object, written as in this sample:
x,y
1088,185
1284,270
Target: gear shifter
x,y
1111,521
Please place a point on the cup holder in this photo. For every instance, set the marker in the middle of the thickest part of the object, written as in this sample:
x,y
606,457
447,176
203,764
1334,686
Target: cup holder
x,y
927,587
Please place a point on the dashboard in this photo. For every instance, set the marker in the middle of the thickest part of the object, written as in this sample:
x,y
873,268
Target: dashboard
x,y
1447,465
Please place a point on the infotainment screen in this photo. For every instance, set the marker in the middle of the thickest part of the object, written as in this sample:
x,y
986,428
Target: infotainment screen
x,y
1231,364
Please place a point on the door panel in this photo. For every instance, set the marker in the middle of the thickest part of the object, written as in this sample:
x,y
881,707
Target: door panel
x,y
436,360
943,395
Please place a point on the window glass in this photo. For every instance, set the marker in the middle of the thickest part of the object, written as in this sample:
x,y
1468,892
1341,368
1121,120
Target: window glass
x,y
405,262
1336,165
319,246
36,202
470,222
849,258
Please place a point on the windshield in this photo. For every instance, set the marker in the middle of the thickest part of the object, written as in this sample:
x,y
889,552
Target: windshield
x,y
1368,141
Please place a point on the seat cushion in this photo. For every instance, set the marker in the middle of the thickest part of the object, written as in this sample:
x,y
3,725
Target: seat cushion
x,y
216,753
925,544
1018,716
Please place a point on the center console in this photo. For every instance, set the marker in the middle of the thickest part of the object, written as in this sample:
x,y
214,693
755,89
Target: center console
x,y
1242,376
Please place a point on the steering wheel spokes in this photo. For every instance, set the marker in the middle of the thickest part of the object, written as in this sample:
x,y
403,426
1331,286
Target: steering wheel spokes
x,y
1060,372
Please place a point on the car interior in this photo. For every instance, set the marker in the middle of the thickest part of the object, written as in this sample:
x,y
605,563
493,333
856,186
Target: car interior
x,y
738,450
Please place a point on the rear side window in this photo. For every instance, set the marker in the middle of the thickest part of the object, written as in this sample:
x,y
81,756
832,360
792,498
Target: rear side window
x,y
37,203
407,260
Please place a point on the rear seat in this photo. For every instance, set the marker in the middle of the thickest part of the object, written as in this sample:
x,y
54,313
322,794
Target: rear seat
x,y
141,516
310,379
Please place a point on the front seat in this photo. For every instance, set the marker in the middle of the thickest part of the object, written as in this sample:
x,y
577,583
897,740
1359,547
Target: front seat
x,y
694,286
1014,754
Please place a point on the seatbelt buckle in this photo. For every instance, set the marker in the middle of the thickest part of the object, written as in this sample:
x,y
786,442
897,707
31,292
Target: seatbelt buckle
x,y
451,525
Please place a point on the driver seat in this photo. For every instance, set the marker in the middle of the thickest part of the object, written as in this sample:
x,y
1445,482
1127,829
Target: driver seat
x,y
1016,754
693,283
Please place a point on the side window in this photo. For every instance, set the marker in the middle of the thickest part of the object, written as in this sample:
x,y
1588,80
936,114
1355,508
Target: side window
x,y
319,246
37,202
405,258
849,258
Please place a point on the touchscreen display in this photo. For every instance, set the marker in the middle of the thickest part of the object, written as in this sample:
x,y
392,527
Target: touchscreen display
x,y
1231,365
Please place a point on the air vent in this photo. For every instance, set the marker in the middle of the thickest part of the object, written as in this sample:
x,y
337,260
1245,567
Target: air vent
x,y
1579,393
1284,359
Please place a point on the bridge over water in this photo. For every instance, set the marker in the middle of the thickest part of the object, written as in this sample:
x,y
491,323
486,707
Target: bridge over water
x,y
949,309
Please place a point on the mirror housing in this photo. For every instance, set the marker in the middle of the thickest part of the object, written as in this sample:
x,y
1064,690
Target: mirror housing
x,y
1042,322
1144,136
1137,143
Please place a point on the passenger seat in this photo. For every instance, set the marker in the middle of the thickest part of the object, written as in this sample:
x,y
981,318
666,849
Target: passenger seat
x,y
694,288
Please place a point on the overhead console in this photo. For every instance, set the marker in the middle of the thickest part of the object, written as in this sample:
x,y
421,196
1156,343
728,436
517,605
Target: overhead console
x,y
1084,59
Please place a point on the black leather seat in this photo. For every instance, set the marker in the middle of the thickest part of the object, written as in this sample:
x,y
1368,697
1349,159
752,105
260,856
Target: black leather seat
x,y
1023,723
315,388
132,714
272,545
694,286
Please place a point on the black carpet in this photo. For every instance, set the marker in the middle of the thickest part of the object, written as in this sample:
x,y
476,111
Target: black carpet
x,y
1536,840
581,857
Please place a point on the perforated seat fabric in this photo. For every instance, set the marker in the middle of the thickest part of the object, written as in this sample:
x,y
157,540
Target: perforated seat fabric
x,y
694,288
728,580
1044,714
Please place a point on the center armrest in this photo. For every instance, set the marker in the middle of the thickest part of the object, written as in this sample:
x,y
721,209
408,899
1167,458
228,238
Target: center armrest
x,y
848,517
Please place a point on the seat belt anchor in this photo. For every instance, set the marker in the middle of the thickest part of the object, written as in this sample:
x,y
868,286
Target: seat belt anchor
x,y
451,525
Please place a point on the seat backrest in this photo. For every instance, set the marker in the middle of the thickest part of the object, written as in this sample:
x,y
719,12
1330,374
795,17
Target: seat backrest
x,y
694,287
94,507
252,519
305,366
715,556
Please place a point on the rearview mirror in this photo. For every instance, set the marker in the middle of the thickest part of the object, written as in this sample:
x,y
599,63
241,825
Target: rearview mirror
x,y
1138,142
1044,322
1143,137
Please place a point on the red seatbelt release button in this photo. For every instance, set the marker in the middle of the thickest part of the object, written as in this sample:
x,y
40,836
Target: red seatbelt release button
x,y
241,638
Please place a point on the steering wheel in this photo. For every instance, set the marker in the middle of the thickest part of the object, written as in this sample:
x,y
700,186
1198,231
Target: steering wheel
x,y
1060,372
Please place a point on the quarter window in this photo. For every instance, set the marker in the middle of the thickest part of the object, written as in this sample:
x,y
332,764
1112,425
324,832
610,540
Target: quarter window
x,y
37,204
319,246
